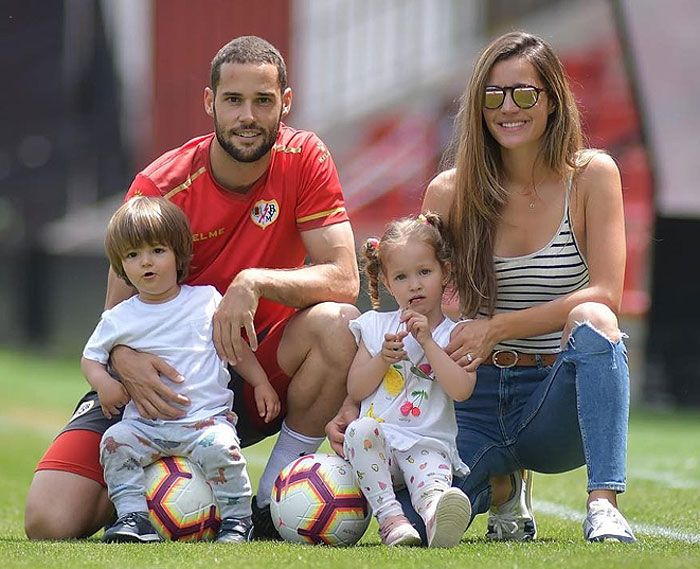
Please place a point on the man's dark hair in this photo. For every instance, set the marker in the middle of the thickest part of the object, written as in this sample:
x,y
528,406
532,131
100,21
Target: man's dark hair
x,y
248,49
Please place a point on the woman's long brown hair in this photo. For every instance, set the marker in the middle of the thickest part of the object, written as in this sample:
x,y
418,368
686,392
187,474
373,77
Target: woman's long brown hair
x,y
479,193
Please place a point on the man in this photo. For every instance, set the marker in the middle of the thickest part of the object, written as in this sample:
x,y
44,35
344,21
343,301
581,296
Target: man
x,y
261,197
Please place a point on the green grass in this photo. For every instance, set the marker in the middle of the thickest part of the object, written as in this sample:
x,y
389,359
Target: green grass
x,y
38,395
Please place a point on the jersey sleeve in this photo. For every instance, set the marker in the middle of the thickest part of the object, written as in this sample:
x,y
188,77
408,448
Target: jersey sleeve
x,y
320,202
142,186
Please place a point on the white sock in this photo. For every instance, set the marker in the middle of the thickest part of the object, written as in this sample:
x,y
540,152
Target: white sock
x,y
290,445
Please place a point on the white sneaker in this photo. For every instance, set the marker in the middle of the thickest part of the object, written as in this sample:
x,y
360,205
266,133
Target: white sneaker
x,y
514,521
604,522
397,530
451,519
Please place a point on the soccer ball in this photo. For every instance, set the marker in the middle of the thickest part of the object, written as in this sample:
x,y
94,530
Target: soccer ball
x,y
181,504
316,500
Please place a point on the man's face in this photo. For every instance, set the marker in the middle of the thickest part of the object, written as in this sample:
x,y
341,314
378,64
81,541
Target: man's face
x,y
247,108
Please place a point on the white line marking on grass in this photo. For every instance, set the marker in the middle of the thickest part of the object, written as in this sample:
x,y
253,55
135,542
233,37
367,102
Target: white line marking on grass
x,y
552,509
668,479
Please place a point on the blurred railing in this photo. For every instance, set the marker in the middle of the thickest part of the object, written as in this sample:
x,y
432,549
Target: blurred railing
x,y
352,58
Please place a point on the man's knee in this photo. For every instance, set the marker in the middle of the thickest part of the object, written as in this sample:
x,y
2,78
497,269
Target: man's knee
x,y
43,522
329,322
319,338
597,315
62,505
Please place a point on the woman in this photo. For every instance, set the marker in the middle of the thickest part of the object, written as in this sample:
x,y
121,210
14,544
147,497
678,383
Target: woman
x,y
538,230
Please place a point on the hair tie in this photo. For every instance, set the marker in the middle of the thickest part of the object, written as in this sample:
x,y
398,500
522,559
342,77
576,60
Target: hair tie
x,y
372,244
422,219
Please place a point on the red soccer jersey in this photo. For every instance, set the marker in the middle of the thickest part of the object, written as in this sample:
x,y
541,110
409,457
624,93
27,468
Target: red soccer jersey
x,y
261,228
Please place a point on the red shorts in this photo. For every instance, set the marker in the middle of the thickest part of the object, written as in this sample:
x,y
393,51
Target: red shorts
x,y
77,448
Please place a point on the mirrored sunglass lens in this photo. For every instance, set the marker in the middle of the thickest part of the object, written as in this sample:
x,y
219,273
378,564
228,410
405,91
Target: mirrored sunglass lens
x,y
493,98
525,97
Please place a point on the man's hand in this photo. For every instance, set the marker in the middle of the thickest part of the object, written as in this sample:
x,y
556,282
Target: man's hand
x,y
335,429
235,312
267,401
140,374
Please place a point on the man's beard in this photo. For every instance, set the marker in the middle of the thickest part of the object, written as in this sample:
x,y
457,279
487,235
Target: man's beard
x,y
247,155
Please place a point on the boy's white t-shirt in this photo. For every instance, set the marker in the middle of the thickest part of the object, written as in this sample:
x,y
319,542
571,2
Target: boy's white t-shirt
x,y
180,332
408,385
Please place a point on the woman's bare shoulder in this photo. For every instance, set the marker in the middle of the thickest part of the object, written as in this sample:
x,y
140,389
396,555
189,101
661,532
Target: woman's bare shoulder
x,y
439,194
444,181
599,174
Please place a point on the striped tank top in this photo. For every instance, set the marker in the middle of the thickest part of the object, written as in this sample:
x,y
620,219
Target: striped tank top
x,y
555,270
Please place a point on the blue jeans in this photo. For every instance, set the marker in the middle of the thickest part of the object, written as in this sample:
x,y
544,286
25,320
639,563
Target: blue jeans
x,y
547,419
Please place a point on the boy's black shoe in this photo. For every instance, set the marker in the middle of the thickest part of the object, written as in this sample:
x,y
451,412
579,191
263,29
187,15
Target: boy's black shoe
x,y
263,528
233,530
134,527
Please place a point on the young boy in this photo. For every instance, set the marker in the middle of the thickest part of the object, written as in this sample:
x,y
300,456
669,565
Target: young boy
x,y
149,245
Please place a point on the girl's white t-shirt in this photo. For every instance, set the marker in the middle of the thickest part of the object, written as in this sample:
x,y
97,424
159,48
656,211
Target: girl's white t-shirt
x,y
409,403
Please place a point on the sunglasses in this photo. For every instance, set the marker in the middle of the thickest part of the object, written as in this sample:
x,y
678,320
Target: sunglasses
x,y
524,96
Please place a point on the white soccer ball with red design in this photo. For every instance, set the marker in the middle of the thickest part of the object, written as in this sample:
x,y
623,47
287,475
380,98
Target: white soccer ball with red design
x,y
180,501
315,500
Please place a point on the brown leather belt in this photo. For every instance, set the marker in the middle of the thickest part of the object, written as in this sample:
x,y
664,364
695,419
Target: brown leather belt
x,y
511,358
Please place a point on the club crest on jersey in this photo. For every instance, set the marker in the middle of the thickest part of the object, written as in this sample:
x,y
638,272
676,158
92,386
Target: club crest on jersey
x,y
265,213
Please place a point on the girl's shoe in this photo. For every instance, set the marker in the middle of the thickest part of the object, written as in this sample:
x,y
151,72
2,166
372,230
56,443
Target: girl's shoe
x,y
451,519
397,530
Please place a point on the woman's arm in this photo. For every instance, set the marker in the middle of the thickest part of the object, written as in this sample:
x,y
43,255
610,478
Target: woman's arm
x,y
457,382
438,199
603,234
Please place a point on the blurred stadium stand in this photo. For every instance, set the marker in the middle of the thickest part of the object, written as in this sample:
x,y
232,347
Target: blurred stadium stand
x,y
120,82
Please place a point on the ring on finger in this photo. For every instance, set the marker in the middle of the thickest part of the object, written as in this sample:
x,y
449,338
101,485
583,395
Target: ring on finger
x,y
470,358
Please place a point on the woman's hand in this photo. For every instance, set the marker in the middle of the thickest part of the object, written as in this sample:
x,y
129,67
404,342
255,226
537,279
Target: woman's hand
x,y
472,343
141,376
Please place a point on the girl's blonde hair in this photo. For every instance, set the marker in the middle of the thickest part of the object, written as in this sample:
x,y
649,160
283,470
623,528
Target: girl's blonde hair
x,y
426,227
148,221
479,192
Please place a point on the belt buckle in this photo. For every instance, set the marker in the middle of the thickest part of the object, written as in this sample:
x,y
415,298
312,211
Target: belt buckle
x,y
494,358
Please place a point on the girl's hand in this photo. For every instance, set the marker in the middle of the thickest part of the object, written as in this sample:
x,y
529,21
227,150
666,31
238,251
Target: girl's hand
x,y
113,397
417,325
472,343
392,348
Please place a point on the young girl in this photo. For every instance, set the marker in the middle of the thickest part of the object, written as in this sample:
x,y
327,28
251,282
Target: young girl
x,y
405,435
